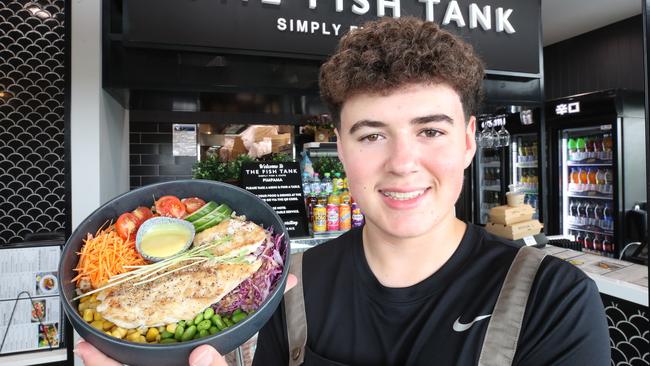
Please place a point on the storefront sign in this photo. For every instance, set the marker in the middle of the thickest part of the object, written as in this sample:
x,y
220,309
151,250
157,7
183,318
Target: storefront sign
x,y
279,185
564,108
505,32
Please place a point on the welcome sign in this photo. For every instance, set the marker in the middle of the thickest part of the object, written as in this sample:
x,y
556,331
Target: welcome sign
x,y
506,33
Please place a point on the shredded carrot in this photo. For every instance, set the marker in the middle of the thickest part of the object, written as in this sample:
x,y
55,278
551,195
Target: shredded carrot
x,y
104,255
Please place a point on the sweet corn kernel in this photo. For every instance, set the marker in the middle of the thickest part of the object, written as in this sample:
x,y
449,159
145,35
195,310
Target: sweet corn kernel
x,y
142,339
98,324
119,332
83,307
97,316
151,334
88,315
171,328
133,337
83,299
92,304
93,297
131,331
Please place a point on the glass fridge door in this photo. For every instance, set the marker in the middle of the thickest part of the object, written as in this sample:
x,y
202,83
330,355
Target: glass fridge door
x,y
587,172
524,174
489,181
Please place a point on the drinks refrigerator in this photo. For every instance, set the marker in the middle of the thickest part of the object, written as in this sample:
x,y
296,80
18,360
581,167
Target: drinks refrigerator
x,y
597,153
515,166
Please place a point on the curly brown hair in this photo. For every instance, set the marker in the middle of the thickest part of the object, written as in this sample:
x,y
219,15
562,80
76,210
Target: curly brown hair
x,y
389,53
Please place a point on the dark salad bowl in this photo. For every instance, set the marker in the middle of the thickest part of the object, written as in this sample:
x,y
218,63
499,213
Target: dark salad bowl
x,y
131,353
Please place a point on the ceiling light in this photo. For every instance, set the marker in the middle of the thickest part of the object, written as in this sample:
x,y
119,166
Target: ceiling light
x,y
37,11
6,95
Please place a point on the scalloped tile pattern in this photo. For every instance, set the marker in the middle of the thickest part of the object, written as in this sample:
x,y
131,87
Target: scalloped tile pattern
x,y
32,176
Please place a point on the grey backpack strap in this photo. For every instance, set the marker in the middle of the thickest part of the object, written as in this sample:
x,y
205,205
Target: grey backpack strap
x,y
294,306
500,343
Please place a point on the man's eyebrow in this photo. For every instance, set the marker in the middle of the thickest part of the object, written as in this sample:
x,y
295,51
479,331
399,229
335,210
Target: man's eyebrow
x,y
366,123
432,118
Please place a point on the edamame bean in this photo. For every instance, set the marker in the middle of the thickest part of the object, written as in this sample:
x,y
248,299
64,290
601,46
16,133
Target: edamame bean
x,y
228,322
213,330
208,313
181,323
238,311
204,333
189,333
198,319
165,334
238,317
168,340
179,332
216,320
204,325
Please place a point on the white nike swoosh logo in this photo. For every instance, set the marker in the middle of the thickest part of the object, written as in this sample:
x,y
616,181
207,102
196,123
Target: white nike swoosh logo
x,y
460,327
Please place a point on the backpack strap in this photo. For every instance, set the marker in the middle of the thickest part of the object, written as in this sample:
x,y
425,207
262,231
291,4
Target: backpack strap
x,y
294,307
500,343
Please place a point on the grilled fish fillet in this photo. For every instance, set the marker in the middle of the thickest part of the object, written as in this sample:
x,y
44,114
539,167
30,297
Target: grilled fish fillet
x,y
172,298
242,234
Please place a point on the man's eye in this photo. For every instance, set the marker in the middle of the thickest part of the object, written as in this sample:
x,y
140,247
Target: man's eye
x,y
430,133
372,137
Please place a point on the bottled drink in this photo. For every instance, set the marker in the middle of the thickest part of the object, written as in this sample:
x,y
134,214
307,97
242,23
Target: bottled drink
x,y
580,239
357,216
590,213
345,217
322,199
598,144
534,150
334,199
590,144
581,144
571,145
522,152
607,217
608,176
589,241
591,176
315,184
312,201
598,214
345,183
326,184
575,176
600,177
607,143
332,217
306,184
573,208
583,176
345,197
607,244
337,182
582,213
598,243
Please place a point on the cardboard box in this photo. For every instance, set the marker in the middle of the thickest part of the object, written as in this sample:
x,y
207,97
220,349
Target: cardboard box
x,y
515,231
508,215
280,140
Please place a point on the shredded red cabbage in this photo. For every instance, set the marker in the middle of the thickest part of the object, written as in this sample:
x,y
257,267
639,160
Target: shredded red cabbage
x,y
251,293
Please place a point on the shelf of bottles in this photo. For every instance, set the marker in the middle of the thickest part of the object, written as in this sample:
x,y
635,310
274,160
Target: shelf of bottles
x,y
490,181
588,179
525,172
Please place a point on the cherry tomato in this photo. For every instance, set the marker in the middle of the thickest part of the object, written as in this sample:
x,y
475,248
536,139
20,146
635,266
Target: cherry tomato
x,y
192,204
170,206
127,225
143,213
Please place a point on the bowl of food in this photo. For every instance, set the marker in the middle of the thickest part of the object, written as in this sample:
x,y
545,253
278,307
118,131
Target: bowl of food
x,y
155,310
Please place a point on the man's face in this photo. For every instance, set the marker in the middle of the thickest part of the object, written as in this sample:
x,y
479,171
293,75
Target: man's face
x,y
404,156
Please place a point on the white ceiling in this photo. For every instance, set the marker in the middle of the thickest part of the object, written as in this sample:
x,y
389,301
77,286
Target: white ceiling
x,y
563,19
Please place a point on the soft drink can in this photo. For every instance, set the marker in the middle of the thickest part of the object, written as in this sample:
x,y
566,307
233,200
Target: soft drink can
x,y
332,217
320,219
345,214
357,216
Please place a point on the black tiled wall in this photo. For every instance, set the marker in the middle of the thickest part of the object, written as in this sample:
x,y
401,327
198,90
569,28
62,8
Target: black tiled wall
x,y
32,168
150,155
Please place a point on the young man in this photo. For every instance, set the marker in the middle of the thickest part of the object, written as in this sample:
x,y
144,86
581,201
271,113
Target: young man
x,y
415,285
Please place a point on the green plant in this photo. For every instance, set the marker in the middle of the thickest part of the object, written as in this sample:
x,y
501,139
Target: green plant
x,y
328,164
212,168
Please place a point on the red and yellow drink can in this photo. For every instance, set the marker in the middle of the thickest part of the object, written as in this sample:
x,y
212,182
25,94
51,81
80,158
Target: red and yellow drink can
x,y
345,217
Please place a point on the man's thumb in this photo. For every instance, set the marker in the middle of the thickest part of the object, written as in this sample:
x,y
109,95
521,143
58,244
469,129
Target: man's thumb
x,y
206,355
92,357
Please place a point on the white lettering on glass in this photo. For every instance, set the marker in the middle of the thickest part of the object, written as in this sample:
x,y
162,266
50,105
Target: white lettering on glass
x,y
502,22
453,14
360,7
383,4
428,7
477,16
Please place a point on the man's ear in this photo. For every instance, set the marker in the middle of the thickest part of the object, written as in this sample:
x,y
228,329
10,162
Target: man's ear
x,y
470,140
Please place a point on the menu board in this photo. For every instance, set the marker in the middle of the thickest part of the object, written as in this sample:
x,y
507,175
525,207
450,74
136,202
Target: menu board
x,y
279,185
35,325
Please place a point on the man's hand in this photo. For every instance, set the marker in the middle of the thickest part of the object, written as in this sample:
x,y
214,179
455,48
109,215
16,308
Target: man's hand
x,y
204,355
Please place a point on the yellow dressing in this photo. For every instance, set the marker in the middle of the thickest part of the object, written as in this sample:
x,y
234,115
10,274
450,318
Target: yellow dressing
x,y
164,240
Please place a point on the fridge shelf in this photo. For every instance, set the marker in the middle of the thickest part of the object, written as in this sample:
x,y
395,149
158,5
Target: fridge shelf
x,y
595,196
529,164
591,230
575,163
492,188
492,164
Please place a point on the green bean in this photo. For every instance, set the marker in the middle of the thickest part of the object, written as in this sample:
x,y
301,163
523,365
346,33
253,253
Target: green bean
x,y
204,333
208,313
179,332
189,333
228,322
213,330
165,334
238,317
168,340
204,325
216,320
198,319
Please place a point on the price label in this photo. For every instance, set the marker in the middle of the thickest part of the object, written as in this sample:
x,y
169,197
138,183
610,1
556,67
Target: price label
x,y
530,240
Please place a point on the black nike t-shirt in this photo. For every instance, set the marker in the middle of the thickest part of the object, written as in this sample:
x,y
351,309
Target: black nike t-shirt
x,y
354,320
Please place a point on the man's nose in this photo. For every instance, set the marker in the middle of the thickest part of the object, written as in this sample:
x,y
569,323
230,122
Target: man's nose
x,y
404,156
